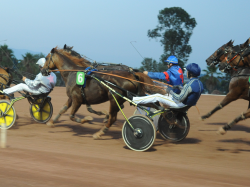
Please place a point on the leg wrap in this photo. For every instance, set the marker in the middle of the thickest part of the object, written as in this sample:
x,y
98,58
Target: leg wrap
x,y
226,127
89,108
236,120
218,107
56,118
73,118
63,110
105,129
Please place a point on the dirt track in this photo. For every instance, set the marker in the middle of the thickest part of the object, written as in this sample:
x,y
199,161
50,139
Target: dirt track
x,y
67,155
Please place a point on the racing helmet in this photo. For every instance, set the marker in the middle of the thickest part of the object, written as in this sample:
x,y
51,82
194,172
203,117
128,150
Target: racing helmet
x,y
172,60
41,62
194,69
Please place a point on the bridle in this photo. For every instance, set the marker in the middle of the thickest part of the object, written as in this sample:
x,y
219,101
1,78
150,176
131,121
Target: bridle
x,y
45,71
220,52
234,53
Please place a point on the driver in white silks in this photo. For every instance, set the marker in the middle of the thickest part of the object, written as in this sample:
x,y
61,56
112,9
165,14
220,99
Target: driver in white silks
x,y
188,96
41,84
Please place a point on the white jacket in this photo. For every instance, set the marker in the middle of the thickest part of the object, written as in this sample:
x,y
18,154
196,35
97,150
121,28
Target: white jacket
x,y
42,83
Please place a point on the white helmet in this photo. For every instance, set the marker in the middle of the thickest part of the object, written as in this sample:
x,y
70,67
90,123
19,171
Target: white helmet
x,y
41,62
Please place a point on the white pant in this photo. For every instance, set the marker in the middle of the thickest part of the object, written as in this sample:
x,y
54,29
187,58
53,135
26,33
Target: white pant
x,y
165,99
21,87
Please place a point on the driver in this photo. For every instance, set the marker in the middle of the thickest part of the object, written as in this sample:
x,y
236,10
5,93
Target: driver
x,y
173,76
188,96
41,84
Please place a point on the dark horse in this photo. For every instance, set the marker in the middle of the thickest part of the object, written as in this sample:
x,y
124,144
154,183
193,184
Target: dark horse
x,y
238,87
94,92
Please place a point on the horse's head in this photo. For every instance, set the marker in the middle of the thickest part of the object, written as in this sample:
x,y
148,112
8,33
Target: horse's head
x,y
219,54
49,64
233,58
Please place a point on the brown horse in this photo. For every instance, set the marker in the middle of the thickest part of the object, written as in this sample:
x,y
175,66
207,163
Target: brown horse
x,y
98,66
5,79
84,63
238,87
94,92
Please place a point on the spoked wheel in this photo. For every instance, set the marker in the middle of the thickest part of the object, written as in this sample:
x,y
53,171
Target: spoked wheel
x,y
155,118
41,115
143,137
176,132
9,117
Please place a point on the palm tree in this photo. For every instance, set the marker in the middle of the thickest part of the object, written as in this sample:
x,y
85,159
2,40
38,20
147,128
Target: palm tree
x,y
211,82
7,56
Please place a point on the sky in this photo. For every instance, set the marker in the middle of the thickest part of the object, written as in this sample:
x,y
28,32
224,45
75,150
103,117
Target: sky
x,y
104,30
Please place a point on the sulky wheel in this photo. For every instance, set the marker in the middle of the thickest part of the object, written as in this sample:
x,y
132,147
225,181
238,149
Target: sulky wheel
x,y
143,138
176,132
41,115
8,117
155,118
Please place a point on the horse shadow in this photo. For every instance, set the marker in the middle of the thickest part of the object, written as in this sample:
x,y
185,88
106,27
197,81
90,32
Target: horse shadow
x,y
237,141
82,131
236,127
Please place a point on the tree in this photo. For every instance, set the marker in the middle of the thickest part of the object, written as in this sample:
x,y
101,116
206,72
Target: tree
x,y
209,80
7,57
148,64
28,64
174,30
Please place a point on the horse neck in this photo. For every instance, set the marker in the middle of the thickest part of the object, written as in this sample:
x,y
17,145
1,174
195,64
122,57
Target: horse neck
x,y
63,63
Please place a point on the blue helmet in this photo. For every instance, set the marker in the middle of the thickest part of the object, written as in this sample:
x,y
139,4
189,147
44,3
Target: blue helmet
x,y
172,59
194,69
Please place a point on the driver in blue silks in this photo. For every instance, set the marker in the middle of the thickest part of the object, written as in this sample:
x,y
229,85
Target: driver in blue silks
x,y
188,96
173,76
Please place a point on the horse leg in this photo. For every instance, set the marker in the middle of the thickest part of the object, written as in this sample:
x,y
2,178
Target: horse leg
x,y
75,106
228,99
104,112
223,130
113,110
64,109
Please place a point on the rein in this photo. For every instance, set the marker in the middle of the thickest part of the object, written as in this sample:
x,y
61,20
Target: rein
x,y
238,53
119,77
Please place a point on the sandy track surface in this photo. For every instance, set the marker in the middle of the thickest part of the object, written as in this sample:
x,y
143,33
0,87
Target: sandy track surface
x,y
67,155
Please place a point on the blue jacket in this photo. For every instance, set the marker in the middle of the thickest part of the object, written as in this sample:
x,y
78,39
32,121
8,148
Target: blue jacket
x,y
190,93
173,76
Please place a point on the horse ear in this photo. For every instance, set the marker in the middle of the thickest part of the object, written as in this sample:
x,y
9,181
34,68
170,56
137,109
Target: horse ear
x,y
230,43
65,46
245,44
52,50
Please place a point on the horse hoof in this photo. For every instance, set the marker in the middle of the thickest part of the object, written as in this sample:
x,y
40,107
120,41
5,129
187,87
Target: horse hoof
x,y
221,131
97,136
87,118
105,120
50,124
105,112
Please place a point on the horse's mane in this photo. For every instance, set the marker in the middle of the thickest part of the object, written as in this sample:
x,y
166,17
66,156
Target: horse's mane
x,y
78,61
